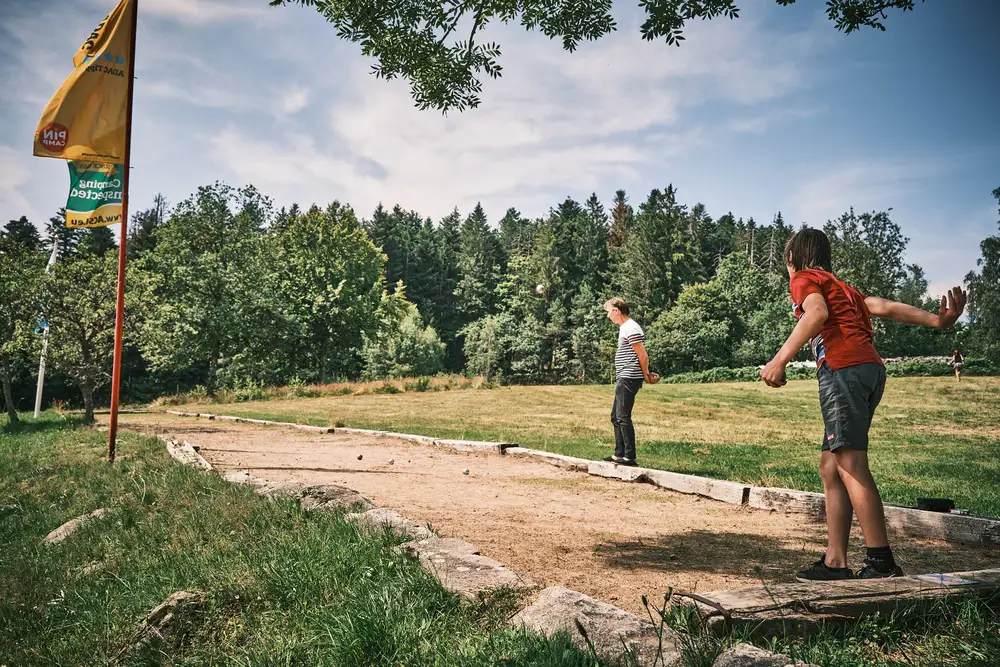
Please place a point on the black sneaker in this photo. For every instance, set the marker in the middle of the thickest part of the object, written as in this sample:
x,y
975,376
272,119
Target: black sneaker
x,y
869,571
820,571
627,462
612,459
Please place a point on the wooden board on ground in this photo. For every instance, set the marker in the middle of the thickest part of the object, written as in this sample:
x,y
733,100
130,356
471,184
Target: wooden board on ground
x,y
807,607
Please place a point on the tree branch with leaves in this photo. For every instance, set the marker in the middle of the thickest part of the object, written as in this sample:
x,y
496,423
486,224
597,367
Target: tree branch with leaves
x,y
409,39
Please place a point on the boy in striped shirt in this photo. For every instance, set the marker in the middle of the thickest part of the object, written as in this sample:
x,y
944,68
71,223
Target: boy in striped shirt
x,y
631,368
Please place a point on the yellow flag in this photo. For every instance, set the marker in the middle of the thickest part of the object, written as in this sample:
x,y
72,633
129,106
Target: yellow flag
x,y
85,120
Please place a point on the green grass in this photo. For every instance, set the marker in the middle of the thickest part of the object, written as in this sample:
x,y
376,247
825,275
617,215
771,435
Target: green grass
x,y
931,436
284,587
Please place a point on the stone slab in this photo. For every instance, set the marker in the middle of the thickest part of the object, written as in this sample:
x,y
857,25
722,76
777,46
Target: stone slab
x,y
310,496
557,460
716,489
460,567
615,635
729,492
380,517
748,655
615,471
943,526
960,528
787,500
71,526
186,454
474,446
806,607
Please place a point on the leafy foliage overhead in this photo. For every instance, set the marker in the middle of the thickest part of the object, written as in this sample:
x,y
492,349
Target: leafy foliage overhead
x,y
435,45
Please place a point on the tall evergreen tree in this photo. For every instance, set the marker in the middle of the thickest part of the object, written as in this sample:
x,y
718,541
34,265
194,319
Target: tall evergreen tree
x,y
593,247
142,230
777,235
20,233
66,239
516,233
423,269
658,257
716,241
444,313
480,263
622,217
97,241
580,235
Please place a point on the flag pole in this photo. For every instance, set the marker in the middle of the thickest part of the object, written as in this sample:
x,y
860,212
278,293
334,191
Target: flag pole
x,y
116,373
45,340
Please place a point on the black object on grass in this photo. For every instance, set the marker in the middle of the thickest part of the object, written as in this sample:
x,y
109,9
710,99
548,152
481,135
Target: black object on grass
x,y
935,504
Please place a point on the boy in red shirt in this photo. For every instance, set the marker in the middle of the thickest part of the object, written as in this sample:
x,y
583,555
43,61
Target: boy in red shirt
x,y
835,319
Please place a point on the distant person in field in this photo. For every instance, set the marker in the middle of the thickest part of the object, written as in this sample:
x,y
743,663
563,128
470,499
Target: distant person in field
x,y
835,319
631,368
957,362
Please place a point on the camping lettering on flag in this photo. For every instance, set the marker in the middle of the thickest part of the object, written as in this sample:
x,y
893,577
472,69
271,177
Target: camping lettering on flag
x,y
85,119
95,195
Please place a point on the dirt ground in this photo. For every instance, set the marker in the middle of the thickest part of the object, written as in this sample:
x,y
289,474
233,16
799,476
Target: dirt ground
x,y
609,539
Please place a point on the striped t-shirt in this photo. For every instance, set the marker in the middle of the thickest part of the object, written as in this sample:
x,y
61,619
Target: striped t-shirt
x,y
626,360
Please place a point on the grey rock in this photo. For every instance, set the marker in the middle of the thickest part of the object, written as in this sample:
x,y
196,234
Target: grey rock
x,y
175,613
311,497
92,568
380,517
614,633
70,527
747,655
461,568
331,496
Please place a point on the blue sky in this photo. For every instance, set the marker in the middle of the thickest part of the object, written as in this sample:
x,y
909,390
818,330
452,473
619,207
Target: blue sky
x,y
773,112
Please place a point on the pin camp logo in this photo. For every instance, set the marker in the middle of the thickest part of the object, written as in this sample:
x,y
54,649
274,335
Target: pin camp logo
x,y
54,137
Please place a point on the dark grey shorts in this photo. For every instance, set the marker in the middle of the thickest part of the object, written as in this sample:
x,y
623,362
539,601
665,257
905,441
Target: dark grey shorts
x,y
848,398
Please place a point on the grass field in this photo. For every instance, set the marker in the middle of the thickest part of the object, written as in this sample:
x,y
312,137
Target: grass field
x,y
284,587
931,436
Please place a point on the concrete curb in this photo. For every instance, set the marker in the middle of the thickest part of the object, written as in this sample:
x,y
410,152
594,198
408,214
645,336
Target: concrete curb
x,y
557,460
956,528
459,445
733,493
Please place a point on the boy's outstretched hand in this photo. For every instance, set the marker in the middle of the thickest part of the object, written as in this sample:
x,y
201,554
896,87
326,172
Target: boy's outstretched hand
x,y
773,374
952,307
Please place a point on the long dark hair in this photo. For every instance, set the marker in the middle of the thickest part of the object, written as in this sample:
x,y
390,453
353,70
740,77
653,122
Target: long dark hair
x,y
808,249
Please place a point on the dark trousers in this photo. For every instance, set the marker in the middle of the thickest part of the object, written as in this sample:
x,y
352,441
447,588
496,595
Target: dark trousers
x,y
621,417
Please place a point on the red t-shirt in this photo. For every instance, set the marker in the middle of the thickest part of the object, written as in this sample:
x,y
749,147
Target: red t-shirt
x,y
846,336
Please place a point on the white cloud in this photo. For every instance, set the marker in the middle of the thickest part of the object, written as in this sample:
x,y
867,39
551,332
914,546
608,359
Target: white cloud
x,y
198,12
554,121
293,100
759,124
210,97
16,173
866,184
